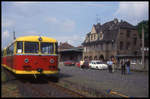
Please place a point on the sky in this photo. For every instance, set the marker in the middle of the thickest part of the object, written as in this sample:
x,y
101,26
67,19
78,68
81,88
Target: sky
x,y
65,21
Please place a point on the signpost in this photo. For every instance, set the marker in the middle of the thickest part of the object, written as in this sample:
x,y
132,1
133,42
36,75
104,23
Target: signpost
x,y
143,47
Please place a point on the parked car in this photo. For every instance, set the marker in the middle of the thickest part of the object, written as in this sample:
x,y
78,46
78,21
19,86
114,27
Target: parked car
x,y
85,65
69,63
77,64
97,65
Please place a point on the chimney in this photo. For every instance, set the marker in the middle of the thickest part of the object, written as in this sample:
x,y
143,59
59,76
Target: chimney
x,y
115,20
121,20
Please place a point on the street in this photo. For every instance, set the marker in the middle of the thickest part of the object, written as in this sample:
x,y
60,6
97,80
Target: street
x,y
133,85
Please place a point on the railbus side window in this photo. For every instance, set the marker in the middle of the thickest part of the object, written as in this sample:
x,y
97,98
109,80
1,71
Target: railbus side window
x,y
19,47
7,51
47,48
2,53
56,48
11,49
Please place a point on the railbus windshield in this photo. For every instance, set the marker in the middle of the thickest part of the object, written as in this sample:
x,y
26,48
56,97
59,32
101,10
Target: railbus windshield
x,y
31,47
47,48
36,45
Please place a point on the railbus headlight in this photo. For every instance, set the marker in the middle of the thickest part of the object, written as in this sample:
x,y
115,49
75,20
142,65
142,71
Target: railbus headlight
x,y
51,61
40,38
26,60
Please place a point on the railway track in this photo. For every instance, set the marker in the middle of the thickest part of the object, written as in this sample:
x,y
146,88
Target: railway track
x,y
41,87
66,90
50,89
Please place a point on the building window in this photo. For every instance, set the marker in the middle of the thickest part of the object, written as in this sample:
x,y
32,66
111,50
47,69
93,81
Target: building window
x,y
127,45
112,45
94,36
121,33
135,39
102,46
99,46
91,37
101,35
134,35
128,33
121,45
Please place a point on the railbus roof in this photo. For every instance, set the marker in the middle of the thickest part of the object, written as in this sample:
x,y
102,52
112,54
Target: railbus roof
x,y
35,39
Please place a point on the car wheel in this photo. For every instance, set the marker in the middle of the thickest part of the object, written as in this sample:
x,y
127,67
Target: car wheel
x,y
96,67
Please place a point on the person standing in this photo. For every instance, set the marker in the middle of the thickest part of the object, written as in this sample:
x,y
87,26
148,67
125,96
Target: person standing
x,y
128,66
109,62
123,67
113,65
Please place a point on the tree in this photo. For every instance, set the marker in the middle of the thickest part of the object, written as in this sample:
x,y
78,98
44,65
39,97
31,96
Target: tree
x,y
146,31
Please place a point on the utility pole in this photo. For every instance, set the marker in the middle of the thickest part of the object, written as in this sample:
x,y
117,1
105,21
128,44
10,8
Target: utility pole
x,y
143,47
14,35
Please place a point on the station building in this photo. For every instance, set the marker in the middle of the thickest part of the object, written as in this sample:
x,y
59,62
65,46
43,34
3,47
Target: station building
x,y
68,52
112,39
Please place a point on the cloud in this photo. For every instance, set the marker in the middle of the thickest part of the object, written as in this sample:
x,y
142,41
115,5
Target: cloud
x,y
68,25
25,9
52,20
64,25
133,11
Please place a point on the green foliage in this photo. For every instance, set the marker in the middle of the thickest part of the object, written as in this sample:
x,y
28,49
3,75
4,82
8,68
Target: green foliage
x,y
145,25
146,29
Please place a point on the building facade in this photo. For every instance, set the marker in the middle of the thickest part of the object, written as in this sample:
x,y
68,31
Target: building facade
x,y
111,39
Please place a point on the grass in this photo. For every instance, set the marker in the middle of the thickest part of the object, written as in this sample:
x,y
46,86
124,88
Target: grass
x,y
4,77
8,89
65,85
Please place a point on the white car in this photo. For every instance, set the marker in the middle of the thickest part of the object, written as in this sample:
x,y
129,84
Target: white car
x,y
97,65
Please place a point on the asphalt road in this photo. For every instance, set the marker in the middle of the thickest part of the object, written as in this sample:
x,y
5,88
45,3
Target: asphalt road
x,y
133,85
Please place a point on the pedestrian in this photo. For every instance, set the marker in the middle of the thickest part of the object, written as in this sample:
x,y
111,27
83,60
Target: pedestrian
x,y
113,65
109,62
123,67
128,66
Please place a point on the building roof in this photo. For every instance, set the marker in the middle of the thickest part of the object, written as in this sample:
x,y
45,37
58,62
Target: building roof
x,y
98,27
65,45
110,29
72,50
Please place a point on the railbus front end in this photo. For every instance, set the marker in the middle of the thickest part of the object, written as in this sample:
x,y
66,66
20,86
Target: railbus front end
x,y
32,55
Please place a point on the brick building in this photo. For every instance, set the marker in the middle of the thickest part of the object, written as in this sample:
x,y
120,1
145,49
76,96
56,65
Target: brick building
x,y
111,39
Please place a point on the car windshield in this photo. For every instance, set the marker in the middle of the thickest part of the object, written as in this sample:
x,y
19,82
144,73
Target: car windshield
x,y
31,47
47,48
98,63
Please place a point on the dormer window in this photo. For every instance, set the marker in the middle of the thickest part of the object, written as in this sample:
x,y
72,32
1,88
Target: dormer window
x,y
101,35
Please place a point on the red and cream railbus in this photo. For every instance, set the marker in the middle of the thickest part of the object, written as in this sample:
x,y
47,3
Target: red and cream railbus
x,y
31,55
